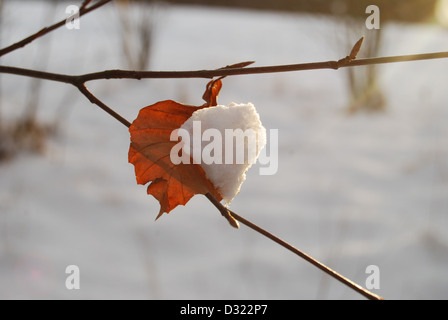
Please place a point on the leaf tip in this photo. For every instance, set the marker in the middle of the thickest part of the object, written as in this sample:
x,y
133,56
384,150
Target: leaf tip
x,y
159,215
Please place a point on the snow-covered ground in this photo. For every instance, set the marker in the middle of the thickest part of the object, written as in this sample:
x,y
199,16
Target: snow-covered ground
x,y
351,191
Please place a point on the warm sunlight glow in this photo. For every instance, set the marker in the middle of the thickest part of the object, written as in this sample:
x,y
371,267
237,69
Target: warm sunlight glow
x,y
442,12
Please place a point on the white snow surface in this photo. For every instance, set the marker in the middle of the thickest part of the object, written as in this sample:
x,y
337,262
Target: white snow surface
x,y
227,157
351,191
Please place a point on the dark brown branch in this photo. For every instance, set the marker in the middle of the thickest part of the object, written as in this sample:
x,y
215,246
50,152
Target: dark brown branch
x,y
74,80
102,105
129,74
38,74
84,4
293,249
46,30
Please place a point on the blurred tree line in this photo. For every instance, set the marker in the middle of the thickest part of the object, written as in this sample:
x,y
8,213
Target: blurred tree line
x,y
398,10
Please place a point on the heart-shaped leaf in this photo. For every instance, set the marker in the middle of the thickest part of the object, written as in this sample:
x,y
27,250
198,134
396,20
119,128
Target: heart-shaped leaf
x,y
149,152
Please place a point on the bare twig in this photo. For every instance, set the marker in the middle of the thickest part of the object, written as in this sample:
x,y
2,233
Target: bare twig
x,y
208,74
46,30
138,75
84,4
224,211
39,74
99,103
298,252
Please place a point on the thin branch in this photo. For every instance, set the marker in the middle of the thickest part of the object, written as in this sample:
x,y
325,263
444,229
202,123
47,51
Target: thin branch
x,y
333,64
46,30
224,211
208,74
138,75
39,74
84,4
101,104
298,252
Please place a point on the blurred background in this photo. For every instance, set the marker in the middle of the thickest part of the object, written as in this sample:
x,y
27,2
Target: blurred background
x,y
363,153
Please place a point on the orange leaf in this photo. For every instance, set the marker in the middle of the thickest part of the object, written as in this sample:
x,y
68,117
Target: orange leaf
x,y
150,148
